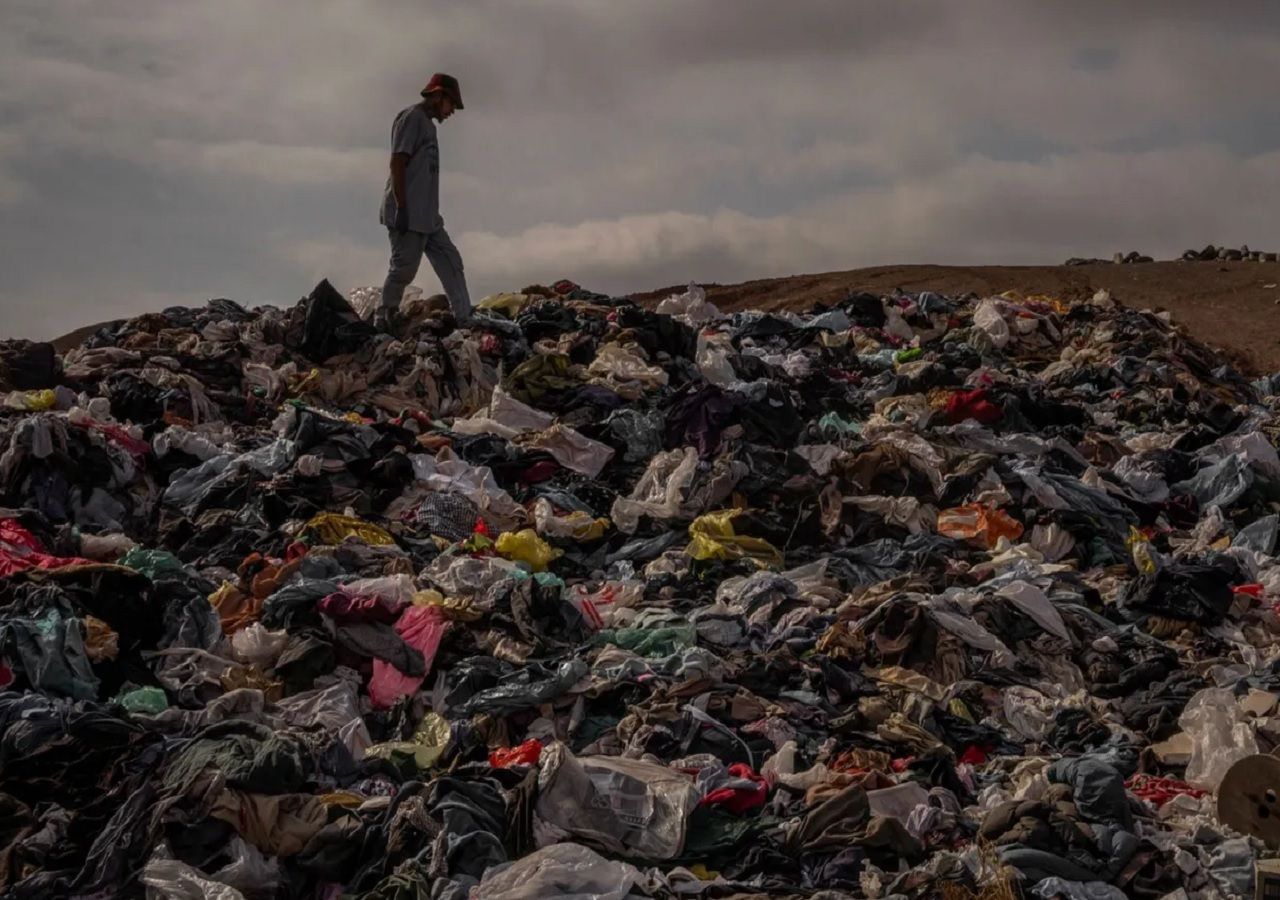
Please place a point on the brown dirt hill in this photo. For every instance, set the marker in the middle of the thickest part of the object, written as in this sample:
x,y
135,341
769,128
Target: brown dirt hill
x,y
1230,305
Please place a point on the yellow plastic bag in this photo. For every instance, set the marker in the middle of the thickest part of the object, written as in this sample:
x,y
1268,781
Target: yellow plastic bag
x,y
509,303
32,401
332,528
712,537
525,546
1140,548
427,745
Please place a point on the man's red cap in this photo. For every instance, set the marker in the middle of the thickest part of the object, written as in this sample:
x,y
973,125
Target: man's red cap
x,y
446,83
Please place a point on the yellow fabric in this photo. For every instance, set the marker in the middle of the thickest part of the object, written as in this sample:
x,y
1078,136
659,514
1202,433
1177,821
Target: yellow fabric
x,y
427,745
332,528
1140,548
525,546
511,304
712,537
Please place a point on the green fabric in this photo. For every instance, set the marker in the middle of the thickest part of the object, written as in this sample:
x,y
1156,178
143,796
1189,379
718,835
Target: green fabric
x,y
153,563
833,423
151,700
250,756
649,642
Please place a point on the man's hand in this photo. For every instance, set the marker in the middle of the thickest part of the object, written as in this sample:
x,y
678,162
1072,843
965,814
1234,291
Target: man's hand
x,y
402,219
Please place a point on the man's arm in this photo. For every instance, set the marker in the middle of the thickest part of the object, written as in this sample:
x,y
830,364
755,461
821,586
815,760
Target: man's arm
x,y
398,163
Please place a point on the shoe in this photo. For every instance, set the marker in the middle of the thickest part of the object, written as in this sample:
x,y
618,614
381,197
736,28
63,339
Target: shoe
x,y
385,320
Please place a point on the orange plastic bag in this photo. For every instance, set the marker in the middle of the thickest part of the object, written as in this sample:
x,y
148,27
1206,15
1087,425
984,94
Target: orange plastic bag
x,y
978,523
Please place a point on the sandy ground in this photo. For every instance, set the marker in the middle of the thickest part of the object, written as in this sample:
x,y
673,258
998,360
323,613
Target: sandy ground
x,y
1231,305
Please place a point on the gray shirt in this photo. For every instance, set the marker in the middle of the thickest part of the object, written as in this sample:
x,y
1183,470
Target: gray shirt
x,y
414,134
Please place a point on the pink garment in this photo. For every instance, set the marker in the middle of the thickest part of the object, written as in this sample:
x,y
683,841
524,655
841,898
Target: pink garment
x,y
422,628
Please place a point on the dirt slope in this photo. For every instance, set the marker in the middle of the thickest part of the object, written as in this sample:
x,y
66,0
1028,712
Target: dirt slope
x,y
1232,305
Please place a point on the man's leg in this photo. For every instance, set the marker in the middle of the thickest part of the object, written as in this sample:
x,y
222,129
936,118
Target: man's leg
x,y
447,262
406,256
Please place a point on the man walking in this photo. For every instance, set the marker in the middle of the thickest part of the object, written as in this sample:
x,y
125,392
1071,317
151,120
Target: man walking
x,y
411,203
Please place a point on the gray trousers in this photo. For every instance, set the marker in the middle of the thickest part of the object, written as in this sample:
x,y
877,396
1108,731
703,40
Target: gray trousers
x,y
407,250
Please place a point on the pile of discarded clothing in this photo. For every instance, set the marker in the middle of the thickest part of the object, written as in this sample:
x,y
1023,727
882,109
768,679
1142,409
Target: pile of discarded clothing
x,y
909,596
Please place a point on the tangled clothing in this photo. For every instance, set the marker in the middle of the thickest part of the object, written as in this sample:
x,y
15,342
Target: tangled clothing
x,y
407,250
250,757
845,819
277,825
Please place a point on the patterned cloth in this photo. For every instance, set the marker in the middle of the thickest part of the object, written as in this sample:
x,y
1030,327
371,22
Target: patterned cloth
x,y
451,516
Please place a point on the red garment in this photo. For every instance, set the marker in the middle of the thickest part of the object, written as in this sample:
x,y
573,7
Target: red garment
x,y
1253,590
490,344
973,755
135,447
540,471
739,800
422,627
527,754
1159,791
964,405
19,551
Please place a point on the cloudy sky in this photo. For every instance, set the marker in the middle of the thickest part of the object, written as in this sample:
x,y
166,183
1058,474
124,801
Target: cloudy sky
x,y
155,152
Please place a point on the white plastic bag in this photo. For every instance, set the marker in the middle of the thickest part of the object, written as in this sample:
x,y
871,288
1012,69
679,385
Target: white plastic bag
x,y
660,492
1220,736
987,319
714,355
623,806
691,307
258,645
566,871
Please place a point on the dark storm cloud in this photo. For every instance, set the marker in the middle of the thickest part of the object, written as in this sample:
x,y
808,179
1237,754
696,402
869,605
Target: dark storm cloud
x,y
154,152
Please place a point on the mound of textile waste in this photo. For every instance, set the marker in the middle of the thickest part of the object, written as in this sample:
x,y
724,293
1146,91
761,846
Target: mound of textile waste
x,y
911,596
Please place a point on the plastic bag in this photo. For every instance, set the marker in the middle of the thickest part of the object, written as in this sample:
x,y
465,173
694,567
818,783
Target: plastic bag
x,y
32,401
712,537
619,367
149,700
983,525
715,360
563,871
660,492
169,879
988,321
1220,736
599,608
525,546
577,525
691,307
429,742
527,754
258,645
398,589
331,528
623,806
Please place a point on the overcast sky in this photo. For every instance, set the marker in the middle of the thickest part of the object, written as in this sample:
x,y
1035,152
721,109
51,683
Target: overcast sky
x,y
155,152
